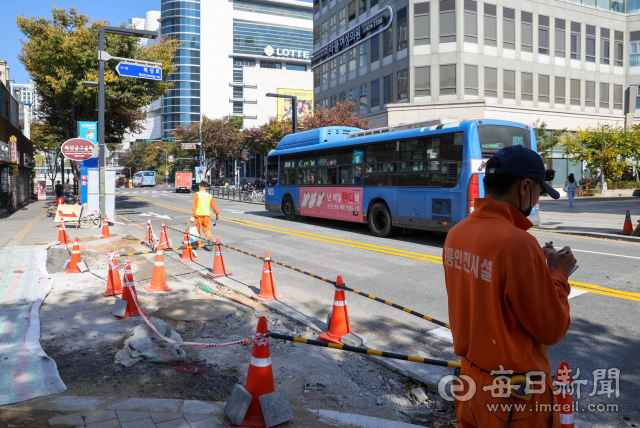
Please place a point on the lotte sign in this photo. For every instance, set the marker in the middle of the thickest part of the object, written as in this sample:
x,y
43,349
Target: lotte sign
x,y
77,149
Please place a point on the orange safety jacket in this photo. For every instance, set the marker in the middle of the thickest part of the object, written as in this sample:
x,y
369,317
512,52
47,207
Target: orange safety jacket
x,y
505,305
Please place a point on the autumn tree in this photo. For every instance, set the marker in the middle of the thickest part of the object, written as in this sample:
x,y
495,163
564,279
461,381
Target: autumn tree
x,y
221,139
261,140
342,114
545,139
62,52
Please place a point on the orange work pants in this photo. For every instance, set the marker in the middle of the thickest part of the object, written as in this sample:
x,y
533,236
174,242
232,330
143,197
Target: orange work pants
x,y
205,222
485,411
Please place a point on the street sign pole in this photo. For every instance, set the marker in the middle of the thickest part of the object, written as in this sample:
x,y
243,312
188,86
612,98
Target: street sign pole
x,y
102,161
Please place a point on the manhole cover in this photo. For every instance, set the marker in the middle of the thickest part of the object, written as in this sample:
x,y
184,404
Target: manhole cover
x,y
198,310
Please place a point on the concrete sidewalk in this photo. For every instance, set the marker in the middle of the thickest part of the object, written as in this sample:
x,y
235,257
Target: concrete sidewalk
x,y
598,217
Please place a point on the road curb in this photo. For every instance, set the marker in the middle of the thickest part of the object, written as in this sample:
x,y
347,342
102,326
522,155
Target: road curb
x,y
611,236
431,378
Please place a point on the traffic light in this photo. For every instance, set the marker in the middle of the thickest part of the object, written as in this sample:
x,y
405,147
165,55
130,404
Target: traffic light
x,y
196,158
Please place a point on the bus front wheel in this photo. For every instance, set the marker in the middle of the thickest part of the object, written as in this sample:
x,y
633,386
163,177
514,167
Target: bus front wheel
x,y
380,221
289,209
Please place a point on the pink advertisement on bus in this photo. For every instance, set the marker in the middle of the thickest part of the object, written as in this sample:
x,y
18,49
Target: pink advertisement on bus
x,y
341,203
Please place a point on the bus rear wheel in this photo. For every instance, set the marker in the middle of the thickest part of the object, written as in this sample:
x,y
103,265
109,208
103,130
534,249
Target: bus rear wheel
x,y
380,221
289,209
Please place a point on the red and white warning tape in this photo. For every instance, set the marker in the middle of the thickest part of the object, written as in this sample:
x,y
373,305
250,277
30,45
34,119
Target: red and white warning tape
x,y
257,338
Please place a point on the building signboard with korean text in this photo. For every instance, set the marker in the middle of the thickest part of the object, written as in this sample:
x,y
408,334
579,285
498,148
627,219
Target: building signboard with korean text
x,y
350,38
88,131
77,149
13,142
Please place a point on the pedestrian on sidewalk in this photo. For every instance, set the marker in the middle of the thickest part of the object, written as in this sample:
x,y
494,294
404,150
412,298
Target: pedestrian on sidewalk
x,y
58,188
508,298
570,186
201,214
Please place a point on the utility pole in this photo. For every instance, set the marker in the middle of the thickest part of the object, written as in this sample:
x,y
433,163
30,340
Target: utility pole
x,y
102,57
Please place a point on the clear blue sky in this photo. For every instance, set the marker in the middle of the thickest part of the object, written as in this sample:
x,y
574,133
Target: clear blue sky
x,y
114,11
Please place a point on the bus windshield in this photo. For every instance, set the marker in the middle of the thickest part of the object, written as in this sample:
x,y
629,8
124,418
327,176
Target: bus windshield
x,y
496,137
149,174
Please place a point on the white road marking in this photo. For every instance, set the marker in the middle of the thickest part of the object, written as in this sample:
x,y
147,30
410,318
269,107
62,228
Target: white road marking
x,y
155,215
606,254
444,333
233,211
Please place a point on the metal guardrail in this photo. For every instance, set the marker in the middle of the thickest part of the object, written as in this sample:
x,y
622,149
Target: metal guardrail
x,y
231,192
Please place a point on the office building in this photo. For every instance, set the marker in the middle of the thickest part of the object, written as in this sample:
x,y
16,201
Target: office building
x,y
570,64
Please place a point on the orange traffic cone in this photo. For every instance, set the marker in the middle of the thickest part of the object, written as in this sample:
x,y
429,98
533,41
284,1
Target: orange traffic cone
x,y
63,238
340,324
158,279
259,378
564,395
218,263
105,228
627,227
148,239
75,257
187,252
114,285
164,241
129,293
267,285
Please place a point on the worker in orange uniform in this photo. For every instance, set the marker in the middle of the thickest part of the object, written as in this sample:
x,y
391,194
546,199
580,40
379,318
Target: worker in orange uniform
x,y
507,299
200,213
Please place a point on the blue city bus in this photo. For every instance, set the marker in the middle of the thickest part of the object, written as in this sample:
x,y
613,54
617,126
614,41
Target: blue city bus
x,y
423,175
144,178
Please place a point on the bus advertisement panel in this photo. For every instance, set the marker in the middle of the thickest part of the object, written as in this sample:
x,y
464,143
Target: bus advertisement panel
x,y
331,202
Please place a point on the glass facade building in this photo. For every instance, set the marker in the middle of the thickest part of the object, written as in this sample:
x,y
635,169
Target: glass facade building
x,y
252,39
181,106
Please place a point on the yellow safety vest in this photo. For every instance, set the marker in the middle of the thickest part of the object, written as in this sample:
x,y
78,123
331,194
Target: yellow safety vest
x,y
204,204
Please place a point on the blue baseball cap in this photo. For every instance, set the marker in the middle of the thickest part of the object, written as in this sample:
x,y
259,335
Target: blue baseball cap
x,y
518,161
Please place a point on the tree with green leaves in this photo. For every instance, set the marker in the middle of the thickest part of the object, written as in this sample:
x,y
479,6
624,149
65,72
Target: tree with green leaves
x,y
617,153
62,52
545,139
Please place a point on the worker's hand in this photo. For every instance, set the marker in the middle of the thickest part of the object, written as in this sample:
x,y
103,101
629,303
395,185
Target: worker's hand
x,y
192,219
562,260
217,216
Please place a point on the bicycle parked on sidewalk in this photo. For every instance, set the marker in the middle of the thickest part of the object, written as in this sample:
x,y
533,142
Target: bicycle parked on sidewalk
x,y
12,205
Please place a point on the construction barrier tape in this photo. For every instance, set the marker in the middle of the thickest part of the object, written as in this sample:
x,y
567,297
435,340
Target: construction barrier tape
x,y
377,299
257,336
442,363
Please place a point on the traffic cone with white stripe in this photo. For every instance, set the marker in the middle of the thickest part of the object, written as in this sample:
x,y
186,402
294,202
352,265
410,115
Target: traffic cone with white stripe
x,y
63,238
114,285
165,244
148,239
105,228
129,293
340,324
75,258
627,227
267,285
158,279
564,395
218,262
260,377
187,252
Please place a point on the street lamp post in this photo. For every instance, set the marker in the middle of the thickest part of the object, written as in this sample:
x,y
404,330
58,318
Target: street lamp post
x,y
102,57
294,108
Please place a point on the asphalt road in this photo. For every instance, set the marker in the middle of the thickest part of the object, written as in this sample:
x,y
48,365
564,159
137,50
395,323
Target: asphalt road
x,y
407,270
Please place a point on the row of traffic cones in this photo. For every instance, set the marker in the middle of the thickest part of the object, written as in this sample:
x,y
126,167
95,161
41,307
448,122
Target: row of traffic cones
x,y
63,238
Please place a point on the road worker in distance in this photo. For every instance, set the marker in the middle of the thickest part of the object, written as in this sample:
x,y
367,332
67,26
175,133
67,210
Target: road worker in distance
x,y
201,214
507,298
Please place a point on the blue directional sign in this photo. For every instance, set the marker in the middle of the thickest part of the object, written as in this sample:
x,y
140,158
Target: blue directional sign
x,y
139,71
